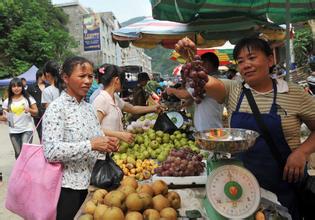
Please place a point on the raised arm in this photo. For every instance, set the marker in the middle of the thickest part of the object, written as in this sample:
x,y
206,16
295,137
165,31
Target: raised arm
x,y
215,89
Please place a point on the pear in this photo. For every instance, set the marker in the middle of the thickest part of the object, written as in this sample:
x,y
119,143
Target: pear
x,y
89,207
145,188
159,187
134,202
174,199
134,216
129,181
126,189
114,198
151,214
99,195
160,202
112,213
168,213
99,211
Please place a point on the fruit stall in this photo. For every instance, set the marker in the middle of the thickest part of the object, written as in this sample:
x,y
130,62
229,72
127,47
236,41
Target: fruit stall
x,y
172,174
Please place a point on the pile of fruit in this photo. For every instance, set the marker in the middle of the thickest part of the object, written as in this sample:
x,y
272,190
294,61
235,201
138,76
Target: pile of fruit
x,y
132,201
143,123
154,145
140,169
183,162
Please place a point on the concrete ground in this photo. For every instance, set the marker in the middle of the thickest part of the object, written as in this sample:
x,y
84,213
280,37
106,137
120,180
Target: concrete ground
x,y
6,163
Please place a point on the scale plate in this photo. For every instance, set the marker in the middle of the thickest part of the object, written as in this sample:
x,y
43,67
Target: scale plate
x,y
231,140
176,118
233,191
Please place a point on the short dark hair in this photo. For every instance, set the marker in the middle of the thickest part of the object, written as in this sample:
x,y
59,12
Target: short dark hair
x,y
211,58
23,79
143,76
39,73
252,43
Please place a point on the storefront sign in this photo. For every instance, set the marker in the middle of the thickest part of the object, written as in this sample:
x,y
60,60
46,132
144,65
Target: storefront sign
x,y
91,32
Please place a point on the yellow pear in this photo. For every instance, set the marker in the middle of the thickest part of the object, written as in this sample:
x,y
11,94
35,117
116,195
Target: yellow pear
x,y
151,214
168,214
89,207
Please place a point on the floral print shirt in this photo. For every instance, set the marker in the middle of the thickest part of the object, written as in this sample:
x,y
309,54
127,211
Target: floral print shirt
x,y
68,127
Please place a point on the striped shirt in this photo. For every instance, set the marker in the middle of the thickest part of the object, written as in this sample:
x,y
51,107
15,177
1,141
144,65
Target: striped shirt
x,y
294,106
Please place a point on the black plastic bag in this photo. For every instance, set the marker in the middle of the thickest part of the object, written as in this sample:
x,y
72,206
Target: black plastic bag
x,y
106,174
164,123
307,197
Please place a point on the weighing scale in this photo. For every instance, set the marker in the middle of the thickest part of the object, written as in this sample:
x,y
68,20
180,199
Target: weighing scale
x,y
232,192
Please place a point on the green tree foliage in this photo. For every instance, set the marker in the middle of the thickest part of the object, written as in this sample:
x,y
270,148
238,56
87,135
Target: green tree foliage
x,y
31,32
161,60
302,45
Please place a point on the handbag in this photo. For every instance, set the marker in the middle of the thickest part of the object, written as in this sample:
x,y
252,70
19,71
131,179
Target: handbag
x,y
34,185
106,174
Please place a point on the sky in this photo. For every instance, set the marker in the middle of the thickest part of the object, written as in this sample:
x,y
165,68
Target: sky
x,y
122,9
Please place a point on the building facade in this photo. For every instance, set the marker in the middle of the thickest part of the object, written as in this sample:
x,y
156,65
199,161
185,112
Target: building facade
x,y
99,46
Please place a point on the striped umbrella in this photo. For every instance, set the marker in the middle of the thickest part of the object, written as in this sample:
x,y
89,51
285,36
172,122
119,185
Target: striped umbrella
x,y
148,33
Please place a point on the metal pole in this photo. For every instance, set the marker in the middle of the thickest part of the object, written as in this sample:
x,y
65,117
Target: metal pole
x,y
287,41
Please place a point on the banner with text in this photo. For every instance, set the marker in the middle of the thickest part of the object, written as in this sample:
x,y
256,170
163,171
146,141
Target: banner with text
x,y
91,32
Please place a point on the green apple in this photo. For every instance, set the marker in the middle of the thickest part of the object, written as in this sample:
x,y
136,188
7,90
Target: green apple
x,y
159,133
161,157
159,140
173,137
154,144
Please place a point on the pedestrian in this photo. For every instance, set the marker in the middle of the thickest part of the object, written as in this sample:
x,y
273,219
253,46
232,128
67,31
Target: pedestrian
x,y
208,113
139,95
109,105
283,106
24,82
18,109
51,72
35,90
72,135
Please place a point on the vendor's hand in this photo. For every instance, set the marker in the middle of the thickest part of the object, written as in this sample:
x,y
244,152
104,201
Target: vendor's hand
x,y
104,144
127,137
157,108
294,168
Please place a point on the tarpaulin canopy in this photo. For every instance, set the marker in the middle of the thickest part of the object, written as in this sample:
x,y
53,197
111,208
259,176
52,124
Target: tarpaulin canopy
x,y
149,32
29,75
187,11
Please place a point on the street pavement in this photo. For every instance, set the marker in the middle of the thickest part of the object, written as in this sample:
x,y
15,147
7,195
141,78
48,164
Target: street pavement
x,y
6,163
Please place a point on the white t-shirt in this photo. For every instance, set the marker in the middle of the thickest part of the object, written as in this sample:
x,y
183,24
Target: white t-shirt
x,y
18,120
208,114
49,94
112,110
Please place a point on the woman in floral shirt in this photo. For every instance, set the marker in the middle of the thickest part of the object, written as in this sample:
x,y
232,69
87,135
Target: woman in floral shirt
x,y
72,135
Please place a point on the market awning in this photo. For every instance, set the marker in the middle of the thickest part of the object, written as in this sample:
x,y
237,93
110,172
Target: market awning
x,y
149,32
188,11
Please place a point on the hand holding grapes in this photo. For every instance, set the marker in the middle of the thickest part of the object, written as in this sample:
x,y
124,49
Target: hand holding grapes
x,y
193,71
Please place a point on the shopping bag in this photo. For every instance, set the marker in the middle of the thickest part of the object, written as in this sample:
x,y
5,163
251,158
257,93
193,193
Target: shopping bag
x,y
106,174
34,185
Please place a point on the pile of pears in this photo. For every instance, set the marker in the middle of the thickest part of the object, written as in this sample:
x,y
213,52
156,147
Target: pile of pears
x,y
154,145
133,202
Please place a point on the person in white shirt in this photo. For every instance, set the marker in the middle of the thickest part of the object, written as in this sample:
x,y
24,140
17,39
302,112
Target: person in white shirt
x,y
18,109
208,113
72,135
52,75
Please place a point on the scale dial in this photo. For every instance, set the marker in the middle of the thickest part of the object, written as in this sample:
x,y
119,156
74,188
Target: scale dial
x,y
233,191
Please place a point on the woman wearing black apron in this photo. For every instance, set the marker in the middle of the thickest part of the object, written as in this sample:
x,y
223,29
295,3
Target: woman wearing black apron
x,y
283,106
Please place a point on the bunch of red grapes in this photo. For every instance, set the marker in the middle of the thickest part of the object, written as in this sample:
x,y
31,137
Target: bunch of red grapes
x,y
182,162
196,75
